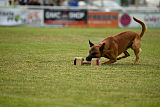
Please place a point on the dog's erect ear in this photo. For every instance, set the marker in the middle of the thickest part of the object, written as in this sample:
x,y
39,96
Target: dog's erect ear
x,y
102,47
90,43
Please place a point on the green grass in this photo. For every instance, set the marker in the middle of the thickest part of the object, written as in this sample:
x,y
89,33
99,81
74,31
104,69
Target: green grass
x,y
36,69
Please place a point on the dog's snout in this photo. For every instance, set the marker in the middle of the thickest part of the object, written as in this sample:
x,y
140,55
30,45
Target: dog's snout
x,y
88,58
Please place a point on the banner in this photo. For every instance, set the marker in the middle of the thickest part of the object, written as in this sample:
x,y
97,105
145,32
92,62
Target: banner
x,y
65,16
34,18
102,19
99,19
152,20
12,17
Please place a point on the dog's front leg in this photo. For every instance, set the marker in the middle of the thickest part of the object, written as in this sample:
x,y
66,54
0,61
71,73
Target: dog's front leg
x,y
112,56
110,61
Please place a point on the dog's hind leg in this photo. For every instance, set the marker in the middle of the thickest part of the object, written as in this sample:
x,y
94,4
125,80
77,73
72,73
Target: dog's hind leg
x,y
136,52
126,54
137,48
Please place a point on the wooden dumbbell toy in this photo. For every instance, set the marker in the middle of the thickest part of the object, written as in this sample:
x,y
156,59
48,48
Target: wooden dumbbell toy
x,y
78,61
95,61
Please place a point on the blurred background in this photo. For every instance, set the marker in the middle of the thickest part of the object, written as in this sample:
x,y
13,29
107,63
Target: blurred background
x,y
80,2
103,5
79,13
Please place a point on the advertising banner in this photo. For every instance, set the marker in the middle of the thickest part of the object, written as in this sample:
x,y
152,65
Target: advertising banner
x,y
103,19
100,19
65,16
12,17
152,20
34,18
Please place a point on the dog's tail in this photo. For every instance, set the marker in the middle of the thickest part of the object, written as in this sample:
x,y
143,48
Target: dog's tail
x,y
142,24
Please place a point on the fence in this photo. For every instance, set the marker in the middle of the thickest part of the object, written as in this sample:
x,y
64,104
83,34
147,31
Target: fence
x,y
73,17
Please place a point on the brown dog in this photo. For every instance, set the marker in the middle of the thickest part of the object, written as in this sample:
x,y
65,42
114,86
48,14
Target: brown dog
x,y
113,46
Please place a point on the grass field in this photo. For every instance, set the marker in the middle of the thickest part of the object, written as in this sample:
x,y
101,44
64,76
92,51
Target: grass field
x,y
36,70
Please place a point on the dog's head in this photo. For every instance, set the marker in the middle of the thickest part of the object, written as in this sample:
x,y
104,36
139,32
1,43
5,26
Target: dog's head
x,y
95,51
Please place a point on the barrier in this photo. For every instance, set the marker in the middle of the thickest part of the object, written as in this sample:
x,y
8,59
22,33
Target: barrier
x,y
73,17
12,17
100,19
34,18
152,20
65,16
